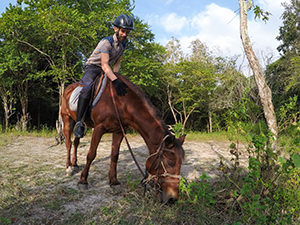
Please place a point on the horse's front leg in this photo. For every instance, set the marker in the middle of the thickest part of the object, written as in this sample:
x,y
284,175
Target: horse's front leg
x,y
75,166
116,142
96,137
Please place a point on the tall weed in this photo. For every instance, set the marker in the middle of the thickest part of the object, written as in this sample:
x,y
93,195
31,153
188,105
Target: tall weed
x,y
269,192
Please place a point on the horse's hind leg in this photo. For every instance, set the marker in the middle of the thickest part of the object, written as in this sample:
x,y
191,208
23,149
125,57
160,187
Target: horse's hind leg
x,y
96,137
68,127
116,141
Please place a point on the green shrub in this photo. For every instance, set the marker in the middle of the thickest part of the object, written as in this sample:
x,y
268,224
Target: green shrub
x,y
269,192
197,191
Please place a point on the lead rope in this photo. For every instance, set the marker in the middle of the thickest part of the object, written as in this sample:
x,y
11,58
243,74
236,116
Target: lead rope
x,y
124,134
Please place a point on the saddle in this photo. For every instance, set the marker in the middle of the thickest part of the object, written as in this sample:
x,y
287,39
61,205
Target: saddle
x,y
98,89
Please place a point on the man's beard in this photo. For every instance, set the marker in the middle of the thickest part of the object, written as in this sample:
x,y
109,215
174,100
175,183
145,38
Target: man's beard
x,y
118,37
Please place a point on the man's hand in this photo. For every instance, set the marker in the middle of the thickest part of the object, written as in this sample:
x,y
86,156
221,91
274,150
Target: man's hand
x,y
120,87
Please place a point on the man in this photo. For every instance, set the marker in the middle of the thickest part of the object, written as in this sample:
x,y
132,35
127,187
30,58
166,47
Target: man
x,y
107,55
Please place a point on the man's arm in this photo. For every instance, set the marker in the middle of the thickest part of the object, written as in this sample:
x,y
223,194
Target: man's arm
x,y
119,85
106,67
117,65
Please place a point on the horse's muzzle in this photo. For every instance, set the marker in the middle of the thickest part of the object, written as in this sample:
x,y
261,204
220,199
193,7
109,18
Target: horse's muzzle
x,y
169,196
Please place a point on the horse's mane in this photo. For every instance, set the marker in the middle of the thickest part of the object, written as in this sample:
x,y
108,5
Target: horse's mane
x,y
150,107
147,103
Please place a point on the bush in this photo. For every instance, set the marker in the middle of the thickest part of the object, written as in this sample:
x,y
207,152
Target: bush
x,y
269,192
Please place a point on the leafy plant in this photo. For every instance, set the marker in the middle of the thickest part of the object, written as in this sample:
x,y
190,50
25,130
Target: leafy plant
x,y
198,191
178,129
5,220
269,192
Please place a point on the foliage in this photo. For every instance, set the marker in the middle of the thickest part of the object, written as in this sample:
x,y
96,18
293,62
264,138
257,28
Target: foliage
x,y
289,115
177,128
289,31
261,14
44,44
197,192
265,195
199,83
283,75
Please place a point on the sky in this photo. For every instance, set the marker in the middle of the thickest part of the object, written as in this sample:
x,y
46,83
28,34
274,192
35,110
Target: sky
x,y
214,22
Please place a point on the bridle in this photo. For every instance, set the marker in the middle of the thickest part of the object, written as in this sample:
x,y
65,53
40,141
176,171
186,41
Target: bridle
x,y
157,154
147,177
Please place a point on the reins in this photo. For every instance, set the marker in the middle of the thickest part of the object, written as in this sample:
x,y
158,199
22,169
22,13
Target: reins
x,y
147,177
124,134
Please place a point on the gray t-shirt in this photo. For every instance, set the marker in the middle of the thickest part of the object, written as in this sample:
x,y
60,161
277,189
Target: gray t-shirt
x,y
115,50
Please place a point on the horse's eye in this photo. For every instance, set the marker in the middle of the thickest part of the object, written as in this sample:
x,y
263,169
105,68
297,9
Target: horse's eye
x,y
170,158
171,163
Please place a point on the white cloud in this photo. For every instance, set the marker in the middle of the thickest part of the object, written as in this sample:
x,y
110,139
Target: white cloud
x,y
218,27
173,23
168,2
274,6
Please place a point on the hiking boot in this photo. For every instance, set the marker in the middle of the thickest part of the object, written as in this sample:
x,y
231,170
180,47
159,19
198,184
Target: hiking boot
x,y
82,108
79,129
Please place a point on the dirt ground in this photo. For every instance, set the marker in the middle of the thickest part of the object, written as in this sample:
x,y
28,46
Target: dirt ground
x,y
39,157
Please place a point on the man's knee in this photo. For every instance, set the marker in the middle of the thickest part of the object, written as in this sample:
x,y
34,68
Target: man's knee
x,y
85,92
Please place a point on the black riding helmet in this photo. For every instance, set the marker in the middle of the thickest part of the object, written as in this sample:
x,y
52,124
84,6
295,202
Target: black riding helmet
x,y
124,21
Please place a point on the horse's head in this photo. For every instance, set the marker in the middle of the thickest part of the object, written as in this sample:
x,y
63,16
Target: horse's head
x,y
164,166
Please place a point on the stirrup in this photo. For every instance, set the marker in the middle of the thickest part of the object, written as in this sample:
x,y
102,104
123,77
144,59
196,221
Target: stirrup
x,y
80,129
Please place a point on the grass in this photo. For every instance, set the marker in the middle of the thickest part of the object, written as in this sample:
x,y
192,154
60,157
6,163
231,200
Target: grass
x,y
37,193
7,137
203,136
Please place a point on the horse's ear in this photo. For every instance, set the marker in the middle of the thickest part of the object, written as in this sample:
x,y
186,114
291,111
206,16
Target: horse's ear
x,y
170,141
181,139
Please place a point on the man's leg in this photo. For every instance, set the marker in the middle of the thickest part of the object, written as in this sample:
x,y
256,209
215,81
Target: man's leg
x,y
80,127
91,72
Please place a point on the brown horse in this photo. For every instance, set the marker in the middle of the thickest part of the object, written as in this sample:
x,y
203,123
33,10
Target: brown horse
x,y
135,111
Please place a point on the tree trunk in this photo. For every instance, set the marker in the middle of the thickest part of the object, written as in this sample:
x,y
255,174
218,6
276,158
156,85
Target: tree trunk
x,y
59,125
6,111
8,103
264,91
24,104
169,93
209,122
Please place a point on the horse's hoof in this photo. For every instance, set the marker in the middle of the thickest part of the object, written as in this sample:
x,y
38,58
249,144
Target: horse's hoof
x,y
114,183
75,169
82,187
69,171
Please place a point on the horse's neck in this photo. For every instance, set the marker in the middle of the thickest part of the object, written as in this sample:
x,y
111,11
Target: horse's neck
x,y
149,126
153,138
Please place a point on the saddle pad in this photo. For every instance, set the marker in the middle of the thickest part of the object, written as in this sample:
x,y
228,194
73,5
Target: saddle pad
x,y
73,101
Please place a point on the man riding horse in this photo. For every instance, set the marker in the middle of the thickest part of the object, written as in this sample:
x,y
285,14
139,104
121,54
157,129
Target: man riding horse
x,y
107,55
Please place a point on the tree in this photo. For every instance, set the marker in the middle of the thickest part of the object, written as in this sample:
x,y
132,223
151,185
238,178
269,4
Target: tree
x,y
289,32
190,81
142,60
57,36
230,89
264,91
15,24
284,74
